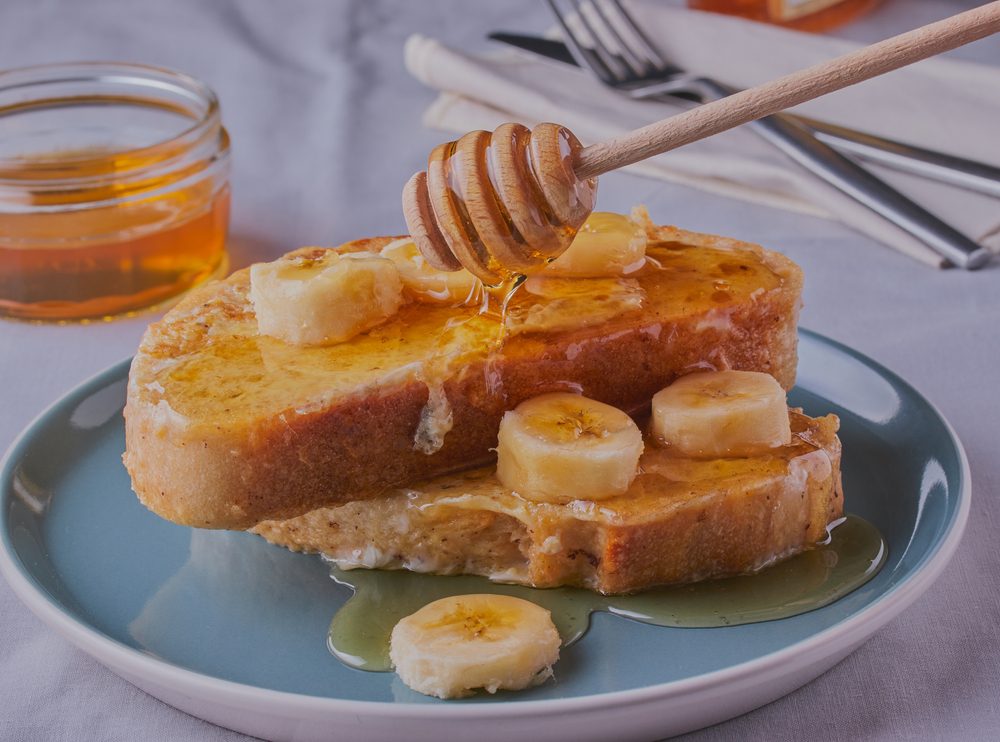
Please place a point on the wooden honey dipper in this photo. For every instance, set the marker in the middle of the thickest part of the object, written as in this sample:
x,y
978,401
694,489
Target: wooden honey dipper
x,y
511,201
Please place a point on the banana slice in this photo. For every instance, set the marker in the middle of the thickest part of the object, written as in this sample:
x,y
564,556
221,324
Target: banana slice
x,y
562,447
722,413
455,644
330,299
606,245
427,284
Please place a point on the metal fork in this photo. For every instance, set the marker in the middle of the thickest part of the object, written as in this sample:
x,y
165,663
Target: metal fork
x,y
636,68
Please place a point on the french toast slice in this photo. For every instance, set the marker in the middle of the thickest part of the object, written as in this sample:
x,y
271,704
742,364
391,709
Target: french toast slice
x,y
226,427
682,520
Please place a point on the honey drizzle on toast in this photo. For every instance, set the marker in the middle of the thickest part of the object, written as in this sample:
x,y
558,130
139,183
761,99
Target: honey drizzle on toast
x,y
678,278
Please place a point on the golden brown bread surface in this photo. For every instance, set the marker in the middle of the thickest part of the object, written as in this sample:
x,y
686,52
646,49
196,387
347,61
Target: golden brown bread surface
x,y
226,428
683,520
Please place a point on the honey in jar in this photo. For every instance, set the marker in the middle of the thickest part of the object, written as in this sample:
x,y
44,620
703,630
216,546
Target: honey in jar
x,y
114,189
803,15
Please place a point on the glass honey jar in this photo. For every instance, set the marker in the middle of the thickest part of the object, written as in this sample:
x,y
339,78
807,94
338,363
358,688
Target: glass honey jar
x,y
114,189
802,15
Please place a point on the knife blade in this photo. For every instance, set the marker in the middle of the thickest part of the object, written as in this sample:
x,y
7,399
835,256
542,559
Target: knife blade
x,y
957,171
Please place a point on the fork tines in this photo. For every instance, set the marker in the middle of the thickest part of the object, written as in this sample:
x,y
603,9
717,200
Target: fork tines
x,y
603,37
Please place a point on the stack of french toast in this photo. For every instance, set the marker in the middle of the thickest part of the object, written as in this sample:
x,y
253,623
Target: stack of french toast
x,y
617,422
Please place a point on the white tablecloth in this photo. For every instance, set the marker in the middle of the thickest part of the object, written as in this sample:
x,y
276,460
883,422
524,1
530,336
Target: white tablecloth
x,y
324,123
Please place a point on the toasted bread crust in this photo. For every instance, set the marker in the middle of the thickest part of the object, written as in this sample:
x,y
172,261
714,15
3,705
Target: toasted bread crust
x,y
348,434
664,531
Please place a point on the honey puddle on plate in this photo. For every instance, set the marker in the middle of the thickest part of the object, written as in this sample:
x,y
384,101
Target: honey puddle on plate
x,y
853,555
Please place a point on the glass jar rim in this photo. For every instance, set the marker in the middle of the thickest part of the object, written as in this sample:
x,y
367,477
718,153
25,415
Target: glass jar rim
x,y
203,109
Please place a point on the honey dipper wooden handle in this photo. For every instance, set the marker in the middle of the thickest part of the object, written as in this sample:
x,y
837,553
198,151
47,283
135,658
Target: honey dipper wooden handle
x,y
788,91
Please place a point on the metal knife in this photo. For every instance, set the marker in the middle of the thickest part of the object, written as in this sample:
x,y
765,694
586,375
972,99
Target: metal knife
x,y
926,163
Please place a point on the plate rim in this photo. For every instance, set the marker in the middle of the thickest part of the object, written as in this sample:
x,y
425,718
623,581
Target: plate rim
x,y
136,665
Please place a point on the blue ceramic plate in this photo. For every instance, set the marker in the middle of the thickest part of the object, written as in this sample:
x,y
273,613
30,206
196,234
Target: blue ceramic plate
x,y
232,629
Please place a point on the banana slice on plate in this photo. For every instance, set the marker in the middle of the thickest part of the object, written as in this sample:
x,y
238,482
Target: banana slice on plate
x,y
427,284
330,299
456,644
722,413
562,447
606,245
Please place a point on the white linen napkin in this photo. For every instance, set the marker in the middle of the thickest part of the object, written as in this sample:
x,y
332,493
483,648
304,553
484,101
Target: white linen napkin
x,y
941,104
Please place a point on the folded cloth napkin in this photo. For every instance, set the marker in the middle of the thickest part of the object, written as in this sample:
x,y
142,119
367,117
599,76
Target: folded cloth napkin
x,y
943,104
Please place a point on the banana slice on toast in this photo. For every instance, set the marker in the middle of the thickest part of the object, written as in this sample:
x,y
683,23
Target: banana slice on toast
x,y
562,447
329,299
722,413
426,283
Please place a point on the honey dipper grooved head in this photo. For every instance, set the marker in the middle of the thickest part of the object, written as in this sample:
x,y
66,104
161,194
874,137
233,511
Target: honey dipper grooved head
x,y
499,204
